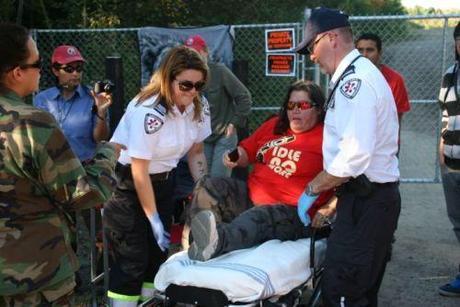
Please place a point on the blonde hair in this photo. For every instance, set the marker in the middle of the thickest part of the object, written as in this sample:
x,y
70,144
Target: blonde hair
x,y
175,62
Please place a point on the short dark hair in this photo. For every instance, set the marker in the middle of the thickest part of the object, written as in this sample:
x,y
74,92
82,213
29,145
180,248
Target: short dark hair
x,y
373,37
13,46
316,96
13,49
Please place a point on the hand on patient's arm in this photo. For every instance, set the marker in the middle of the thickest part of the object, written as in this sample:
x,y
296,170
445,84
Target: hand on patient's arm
x,y
197,161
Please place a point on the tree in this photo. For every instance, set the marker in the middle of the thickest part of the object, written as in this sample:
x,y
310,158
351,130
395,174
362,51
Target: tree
x,y
176,13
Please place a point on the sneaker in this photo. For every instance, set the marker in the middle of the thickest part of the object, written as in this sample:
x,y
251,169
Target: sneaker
x,y
452,288
205,237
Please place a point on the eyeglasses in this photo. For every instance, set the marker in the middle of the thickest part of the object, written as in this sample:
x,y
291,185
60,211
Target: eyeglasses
x,y
311,48
37,65
303,105
187,86
71,68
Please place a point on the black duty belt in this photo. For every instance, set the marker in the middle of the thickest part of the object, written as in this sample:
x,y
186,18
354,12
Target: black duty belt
x,y
362,186
160,176
125,178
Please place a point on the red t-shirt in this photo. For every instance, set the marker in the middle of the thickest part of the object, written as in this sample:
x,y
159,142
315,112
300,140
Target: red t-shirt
x,y
291,161
396,82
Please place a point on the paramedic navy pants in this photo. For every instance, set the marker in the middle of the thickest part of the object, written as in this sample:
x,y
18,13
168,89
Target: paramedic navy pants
x,y
136,255
358,246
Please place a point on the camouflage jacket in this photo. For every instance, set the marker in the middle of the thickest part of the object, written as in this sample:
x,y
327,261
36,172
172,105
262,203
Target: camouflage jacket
x,y
41,180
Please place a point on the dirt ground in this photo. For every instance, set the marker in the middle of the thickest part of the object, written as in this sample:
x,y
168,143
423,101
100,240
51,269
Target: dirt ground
x,y
426,253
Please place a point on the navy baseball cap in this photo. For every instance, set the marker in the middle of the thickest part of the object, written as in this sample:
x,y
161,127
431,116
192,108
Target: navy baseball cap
x,y
321,20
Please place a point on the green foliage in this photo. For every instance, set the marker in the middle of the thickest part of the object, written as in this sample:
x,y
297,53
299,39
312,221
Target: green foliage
x,y
174,13
8,11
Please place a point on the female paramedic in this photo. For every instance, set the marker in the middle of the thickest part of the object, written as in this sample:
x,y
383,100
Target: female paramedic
x,y
166,120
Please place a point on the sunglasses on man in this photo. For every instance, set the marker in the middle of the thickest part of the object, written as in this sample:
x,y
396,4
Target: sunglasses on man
x,y
187,86
302,105
38,64
71,68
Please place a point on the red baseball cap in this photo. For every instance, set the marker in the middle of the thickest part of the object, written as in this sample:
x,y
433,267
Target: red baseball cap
x,y
196,42
66,54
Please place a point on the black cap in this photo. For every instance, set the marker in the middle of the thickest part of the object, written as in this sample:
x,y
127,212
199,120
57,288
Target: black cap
x,y
321,20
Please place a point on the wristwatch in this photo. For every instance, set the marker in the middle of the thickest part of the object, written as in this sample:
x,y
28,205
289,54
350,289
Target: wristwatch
x,y
309,191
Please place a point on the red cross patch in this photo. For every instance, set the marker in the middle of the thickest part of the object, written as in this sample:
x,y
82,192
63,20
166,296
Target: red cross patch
x,y
350,88
152,123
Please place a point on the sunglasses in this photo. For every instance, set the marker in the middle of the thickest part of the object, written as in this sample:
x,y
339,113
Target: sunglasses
x,y
70,69
311,47
187,86
38,64
303,105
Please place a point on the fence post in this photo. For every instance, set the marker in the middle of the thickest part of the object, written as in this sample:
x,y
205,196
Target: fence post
x,y
114,72
241,71
437,171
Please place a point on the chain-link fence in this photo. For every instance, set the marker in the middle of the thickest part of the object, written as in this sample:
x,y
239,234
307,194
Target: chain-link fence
x,y
419,47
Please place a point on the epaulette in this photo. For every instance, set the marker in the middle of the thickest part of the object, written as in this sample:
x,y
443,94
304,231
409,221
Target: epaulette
x,y
160,108
349,71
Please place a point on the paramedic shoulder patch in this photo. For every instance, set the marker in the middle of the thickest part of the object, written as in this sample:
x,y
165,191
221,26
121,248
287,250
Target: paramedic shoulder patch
x,y
152,123
350,88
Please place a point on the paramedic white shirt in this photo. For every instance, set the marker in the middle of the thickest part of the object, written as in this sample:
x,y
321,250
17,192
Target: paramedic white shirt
x,y
361,124
150,134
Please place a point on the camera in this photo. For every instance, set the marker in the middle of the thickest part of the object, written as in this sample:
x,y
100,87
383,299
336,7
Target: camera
x,y
105,86
234,155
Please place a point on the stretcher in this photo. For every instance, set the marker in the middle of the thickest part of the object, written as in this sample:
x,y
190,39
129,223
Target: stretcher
x,y
274,273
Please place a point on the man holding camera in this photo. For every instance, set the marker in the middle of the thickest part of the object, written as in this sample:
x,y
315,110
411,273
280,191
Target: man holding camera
x,y
80,113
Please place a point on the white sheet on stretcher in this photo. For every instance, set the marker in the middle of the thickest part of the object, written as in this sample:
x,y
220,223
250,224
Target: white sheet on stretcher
x,y
272,268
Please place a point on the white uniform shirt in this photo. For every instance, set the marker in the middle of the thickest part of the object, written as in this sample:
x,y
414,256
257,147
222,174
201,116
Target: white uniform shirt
x,y
150,134
361,124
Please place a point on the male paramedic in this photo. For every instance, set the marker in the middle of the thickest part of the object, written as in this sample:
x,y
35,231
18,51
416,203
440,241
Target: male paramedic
x,y
359,149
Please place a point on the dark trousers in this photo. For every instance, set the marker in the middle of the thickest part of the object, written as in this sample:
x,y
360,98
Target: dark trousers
x,y
358,246
260,224
240,224
134,250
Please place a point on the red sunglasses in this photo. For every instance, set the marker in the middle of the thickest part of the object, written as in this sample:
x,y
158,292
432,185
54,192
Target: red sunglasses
x,y
303,105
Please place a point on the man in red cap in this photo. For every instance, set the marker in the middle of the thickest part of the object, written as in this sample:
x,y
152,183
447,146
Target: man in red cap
x,y
80,113
72,103
230,103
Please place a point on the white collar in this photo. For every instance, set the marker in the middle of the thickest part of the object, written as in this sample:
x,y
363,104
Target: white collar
x,y
344,64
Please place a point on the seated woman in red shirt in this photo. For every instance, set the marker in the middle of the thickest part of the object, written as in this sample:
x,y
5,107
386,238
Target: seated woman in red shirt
x,y
227,214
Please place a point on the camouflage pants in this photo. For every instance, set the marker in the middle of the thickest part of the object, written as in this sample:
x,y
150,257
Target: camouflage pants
x,y
60,295
240,223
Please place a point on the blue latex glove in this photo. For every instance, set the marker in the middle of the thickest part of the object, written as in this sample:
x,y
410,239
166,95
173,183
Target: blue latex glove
x,y
161,236
303,204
